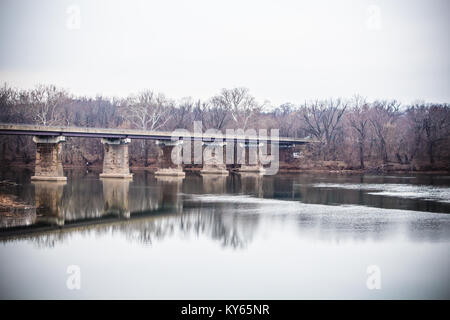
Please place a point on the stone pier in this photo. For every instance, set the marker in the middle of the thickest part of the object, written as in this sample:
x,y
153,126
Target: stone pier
x,y
214,158
115,161
115,194
48,199
169,158
48,158
250,161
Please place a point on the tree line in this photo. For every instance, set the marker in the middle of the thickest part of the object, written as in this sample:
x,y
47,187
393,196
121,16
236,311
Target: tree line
x,y
359,133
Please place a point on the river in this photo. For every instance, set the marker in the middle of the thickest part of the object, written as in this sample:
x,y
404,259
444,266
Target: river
x,y
289,236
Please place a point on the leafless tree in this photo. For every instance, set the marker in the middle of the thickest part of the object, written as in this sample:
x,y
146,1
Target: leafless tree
x,y
413,139
181,115
359,119
382,117
214,114
46,100
288,120
436,127
323,121
8,102
147,111
241,105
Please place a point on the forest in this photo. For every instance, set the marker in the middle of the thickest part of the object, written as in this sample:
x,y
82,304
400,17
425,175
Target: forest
x,y
352,133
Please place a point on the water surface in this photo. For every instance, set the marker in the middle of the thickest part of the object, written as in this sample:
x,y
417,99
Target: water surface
x,y
238,237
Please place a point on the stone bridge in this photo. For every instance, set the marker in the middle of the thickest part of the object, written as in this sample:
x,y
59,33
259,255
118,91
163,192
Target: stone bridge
x,y
116,159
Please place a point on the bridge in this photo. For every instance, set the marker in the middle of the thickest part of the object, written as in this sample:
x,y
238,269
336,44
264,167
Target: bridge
x,y
241,147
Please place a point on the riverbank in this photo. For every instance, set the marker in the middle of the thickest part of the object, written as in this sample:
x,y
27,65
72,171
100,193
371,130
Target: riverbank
x,y
14,212
321,167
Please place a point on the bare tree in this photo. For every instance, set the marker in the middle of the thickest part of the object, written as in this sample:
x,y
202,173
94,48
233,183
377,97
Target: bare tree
x,y
382,117
147,111
214,114
436,126
323,121
46,100
182,114
8,102
241,105
285,119
359,119
413,139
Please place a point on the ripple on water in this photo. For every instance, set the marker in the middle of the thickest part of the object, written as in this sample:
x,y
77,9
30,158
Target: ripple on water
x,y
423,192
342,220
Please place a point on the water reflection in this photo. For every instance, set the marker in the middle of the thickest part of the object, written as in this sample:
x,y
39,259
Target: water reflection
x,y
252,183
214,184
48,201
169,193
115,194
252,236
228,209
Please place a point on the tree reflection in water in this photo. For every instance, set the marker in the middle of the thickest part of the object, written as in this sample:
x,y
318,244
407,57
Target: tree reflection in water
x,y
230,210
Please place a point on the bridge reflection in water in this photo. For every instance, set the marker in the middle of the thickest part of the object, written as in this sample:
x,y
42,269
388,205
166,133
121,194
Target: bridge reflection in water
x,y
115,194
143,208
48,196
165,235
230,210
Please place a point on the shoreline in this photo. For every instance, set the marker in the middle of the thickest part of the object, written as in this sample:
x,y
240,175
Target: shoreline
x,y
152,168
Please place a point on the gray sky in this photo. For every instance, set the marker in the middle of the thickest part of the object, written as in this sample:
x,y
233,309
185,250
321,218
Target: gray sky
x,y
281,50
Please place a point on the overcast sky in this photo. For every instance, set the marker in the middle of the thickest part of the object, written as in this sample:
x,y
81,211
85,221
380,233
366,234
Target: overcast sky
x,y
281,50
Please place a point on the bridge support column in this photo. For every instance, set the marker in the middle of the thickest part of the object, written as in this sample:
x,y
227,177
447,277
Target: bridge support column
x,y
214,158
250,161
48,158
115,161
169,158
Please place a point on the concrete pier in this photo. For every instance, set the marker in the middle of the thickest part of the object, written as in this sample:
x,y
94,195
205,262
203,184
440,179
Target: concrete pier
x,y
169,158
48,158
250,161
115,162
214,158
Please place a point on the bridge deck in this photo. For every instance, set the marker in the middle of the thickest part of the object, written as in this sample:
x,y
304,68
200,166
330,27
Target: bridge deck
x,y
36,130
